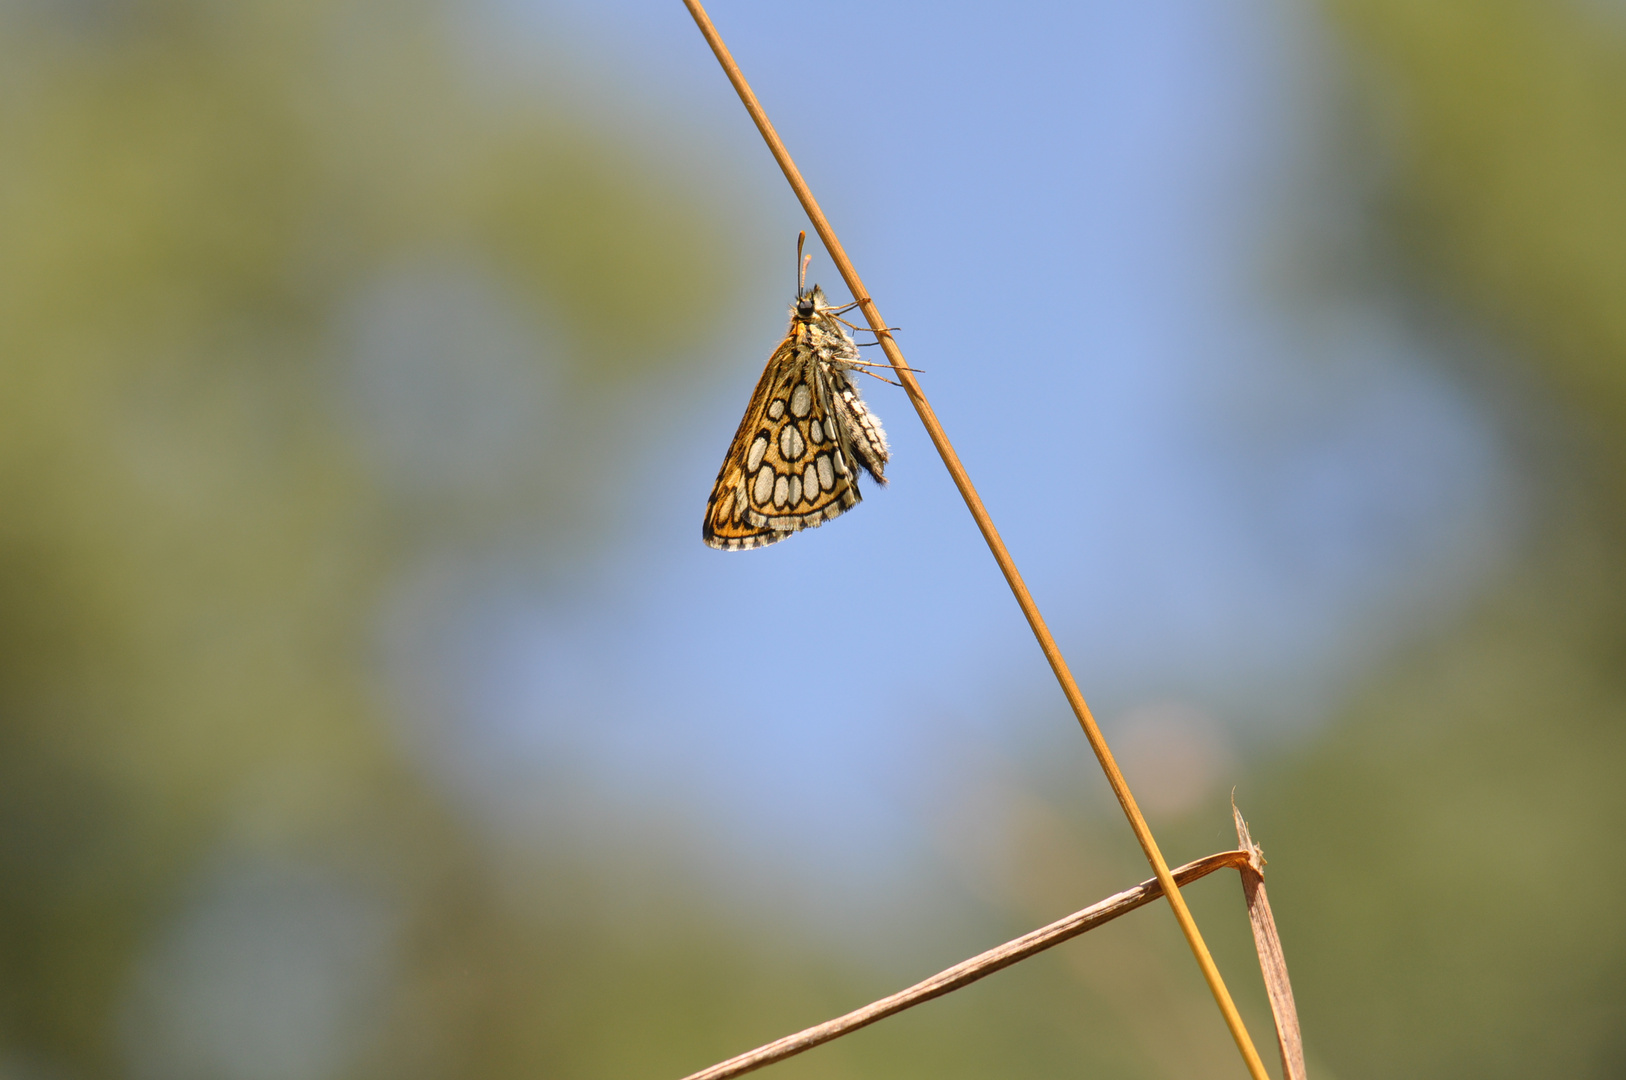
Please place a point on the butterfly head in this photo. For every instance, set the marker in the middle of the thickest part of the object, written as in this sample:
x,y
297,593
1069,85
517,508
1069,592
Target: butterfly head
x,y
808,304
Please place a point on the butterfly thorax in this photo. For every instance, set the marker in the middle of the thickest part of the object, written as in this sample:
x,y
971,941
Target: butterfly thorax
x,y
815,330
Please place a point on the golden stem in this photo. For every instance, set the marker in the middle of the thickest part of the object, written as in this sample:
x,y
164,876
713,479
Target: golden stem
x,y
1007,565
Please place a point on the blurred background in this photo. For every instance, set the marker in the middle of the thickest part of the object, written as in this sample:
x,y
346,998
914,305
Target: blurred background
x,y
369,706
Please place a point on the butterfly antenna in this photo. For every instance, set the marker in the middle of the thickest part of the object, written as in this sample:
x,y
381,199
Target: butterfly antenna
x,y
801,266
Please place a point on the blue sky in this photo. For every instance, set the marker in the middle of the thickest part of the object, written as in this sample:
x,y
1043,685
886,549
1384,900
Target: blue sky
x,y
1117,243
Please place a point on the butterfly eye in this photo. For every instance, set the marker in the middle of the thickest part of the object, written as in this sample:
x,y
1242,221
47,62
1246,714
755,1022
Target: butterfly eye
x,y
804,307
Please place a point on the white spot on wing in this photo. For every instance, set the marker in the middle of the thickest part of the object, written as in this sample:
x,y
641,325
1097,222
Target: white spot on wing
x,y
754,458
764,485
801,401
781,491
791,444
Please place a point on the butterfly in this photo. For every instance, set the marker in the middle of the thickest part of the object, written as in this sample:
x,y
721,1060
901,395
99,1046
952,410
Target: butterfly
x,y
794,461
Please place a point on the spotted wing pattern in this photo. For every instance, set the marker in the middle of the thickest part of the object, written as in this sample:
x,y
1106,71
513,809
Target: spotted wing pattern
x,y
794,461
792,464
785,470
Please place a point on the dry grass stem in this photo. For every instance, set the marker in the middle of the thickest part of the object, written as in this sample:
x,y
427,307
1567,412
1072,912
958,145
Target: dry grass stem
x,y
1007,566
1271,962
969,971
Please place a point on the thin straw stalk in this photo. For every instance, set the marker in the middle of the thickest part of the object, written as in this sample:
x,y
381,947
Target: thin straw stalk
x,y
1007,566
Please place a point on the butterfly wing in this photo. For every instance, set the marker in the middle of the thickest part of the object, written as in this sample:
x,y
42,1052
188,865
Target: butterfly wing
x,y
859,429
786,469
